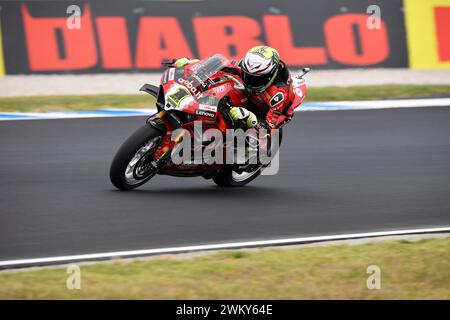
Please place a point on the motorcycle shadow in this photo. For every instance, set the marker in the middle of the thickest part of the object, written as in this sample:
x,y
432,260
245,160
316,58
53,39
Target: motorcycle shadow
x,y
208,191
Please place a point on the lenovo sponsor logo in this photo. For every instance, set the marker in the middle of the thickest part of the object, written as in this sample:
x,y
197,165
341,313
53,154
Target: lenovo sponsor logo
x,y
204,113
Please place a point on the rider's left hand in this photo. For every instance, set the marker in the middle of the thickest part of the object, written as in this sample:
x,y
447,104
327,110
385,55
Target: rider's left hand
x,y
240,114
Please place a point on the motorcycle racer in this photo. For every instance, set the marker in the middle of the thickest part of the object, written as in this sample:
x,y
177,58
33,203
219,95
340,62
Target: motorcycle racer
x,y
268,88
258,91
268,85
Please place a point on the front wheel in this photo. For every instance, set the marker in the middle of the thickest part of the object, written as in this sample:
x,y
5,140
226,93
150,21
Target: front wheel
x,y
131,166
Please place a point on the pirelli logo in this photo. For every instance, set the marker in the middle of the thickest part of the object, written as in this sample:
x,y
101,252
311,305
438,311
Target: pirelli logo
x,y
428,33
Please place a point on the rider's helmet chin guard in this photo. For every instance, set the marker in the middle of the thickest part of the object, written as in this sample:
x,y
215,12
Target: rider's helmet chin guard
x,y
259,68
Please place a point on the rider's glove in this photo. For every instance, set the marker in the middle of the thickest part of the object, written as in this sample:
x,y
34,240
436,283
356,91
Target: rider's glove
x,y
183,61
239,114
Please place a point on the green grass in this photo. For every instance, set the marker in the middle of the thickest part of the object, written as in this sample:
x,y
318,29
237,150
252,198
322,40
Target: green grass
x,y
376,92
83,102
419,270
91,102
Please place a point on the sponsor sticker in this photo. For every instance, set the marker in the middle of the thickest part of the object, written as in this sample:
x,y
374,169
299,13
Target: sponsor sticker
x,y
207,107
191,87
220,89
194,67
199,80
298,92
177,96
171,74
204,113
180,71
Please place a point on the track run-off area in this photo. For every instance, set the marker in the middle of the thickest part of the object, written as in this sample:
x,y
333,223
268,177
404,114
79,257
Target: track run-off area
x,y
342,173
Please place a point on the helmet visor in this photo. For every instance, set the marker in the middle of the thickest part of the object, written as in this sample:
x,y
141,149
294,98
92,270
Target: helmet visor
x,y
257,83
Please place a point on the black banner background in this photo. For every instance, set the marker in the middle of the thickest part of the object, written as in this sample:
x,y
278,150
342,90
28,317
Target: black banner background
x,y
307,19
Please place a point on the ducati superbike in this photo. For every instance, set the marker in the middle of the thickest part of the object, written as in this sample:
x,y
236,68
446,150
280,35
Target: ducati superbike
x,y
198,93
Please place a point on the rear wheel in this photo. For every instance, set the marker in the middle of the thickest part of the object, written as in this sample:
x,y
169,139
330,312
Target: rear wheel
x,y
229,178
131,166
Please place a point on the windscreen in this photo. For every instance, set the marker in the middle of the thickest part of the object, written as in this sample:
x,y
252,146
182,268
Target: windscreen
x,y
197,79
202,71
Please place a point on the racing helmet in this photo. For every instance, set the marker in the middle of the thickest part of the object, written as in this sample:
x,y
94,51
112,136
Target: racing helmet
x,y
259,68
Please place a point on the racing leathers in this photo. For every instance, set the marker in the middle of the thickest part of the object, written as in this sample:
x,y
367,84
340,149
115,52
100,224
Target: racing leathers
x,y
273,104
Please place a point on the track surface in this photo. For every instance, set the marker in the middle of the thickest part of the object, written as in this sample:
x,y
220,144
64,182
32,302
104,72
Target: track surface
x,y
344,171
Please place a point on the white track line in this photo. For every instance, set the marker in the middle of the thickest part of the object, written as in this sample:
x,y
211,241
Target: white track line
x,y
231,245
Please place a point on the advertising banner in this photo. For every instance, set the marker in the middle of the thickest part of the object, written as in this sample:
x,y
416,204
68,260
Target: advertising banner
x,y
136,36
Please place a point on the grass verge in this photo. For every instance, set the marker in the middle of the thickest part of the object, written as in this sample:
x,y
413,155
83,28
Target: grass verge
x,y
92,102
409,270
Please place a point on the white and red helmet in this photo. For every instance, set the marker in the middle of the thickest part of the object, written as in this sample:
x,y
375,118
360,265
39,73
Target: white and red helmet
x,y
260,68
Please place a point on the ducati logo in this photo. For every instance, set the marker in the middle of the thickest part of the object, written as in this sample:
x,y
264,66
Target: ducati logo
x,y
276,99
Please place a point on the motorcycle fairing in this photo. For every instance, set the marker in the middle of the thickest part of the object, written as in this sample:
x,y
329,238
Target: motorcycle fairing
x,y
198,87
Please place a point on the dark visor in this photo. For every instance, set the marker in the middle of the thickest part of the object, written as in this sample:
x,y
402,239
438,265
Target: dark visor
x,y
256,82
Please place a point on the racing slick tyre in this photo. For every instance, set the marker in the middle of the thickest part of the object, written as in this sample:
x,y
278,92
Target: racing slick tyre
x,y
131,166
229,178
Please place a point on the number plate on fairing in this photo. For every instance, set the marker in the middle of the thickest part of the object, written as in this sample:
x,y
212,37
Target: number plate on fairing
x,y
178,97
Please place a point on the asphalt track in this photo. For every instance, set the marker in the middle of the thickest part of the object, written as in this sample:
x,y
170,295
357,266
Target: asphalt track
x,y
340,172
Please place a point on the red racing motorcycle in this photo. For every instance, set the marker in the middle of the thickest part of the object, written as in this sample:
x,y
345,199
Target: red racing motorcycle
x,y
201,92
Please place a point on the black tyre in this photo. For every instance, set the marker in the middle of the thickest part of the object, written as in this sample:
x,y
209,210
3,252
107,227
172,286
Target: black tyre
x,y
229,178
131,167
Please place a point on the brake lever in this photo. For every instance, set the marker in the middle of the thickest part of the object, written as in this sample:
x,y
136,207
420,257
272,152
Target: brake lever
x,y
304,72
